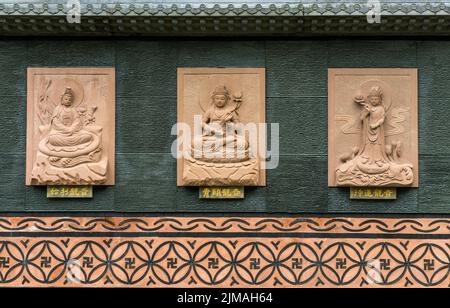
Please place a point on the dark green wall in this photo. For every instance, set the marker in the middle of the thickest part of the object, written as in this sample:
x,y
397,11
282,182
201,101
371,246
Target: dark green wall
x,y
296,98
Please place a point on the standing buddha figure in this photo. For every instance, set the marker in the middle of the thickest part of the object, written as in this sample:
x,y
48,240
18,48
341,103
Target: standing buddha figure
x,y
372,163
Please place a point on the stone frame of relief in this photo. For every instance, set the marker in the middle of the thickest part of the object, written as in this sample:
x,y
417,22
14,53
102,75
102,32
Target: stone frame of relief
x,y
225,101
373,127
70,126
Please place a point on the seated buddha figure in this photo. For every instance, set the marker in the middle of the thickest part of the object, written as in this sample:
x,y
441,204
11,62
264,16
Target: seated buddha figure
x,y
69,141
222,140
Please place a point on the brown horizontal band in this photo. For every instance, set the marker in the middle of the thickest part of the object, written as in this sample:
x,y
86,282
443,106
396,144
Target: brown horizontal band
x,y
168,224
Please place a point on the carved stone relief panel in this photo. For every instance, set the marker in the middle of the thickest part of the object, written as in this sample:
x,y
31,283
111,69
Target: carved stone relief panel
x,y
70,126
373,128
219,132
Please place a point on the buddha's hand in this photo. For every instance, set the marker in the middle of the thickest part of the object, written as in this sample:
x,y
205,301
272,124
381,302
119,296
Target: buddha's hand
x,y
364,114
359,99
218,132
228,118
374,126
209,130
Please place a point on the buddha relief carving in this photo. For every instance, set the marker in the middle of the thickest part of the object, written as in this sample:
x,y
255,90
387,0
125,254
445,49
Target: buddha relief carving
x,y
72,137
373,135
218,111
374,163
68,115
222,139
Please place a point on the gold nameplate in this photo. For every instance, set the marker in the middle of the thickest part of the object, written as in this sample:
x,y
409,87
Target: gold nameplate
x,y
69,192
373,193
221,193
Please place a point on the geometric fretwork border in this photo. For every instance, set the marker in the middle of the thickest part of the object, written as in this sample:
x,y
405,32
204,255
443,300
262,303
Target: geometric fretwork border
x,y
224,252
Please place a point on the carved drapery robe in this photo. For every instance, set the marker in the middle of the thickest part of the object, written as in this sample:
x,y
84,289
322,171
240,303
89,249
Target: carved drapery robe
x,y
372,157
66,134
221,140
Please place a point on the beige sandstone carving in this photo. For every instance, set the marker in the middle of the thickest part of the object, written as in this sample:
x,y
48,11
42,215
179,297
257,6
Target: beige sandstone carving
x,y
373,139
220,149
71,126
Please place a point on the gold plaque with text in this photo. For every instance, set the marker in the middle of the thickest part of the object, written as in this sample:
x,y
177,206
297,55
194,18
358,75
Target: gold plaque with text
x,y
373,193
221,193
69,192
